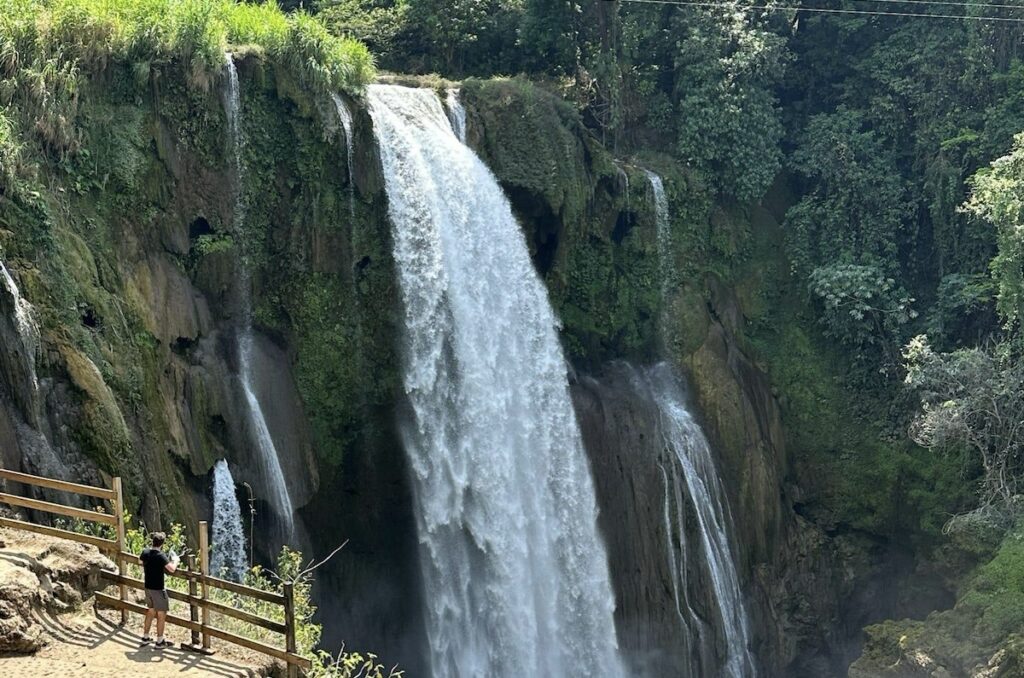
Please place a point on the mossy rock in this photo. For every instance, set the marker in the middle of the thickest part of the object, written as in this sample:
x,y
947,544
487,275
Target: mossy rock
x,y
102,430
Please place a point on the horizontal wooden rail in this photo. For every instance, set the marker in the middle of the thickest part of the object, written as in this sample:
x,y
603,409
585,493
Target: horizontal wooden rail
x,y
98,542
213,606
62,485
217,582
277,653
50,507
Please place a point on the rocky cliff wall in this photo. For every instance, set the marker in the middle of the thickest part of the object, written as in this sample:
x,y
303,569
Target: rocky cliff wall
x,y
131,259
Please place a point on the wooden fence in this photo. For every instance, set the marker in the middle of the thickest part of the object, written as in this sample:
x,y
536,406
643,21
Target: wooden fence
x,y
199,579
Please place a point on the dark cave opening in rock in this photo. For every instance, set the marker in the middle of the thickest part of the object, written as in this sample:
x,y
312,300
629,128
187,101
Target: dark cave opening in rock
x,y
199,227
623,226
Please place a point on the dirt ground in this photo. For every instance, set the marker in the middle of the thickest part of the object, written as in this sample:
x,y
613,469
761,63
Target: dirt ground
x,y
86,646
74,641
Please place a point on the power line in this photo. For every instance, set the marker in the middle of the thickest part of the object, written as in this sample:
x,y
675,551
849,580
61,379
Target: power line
x,y
963,3
823,10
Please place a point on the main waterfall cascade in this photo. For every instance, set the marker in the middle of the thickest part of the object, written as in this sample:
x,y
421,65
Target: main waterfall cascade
x,y
228,556
258,431
515,575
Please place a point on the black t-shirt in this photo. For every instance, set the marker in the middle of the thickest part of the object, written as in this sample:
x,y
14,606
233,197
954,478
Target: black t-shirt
x,y
153,562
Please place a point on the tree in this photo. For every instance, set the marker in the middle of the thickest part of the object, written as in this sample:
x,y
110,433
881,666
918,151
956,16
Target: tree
x,y
997,196
726,66
856,209
972,402
862,308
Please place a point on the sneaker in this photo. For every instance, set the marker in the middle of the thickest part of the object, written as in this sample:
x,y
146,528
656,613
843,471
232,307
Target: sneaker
x,y
146,640
163,643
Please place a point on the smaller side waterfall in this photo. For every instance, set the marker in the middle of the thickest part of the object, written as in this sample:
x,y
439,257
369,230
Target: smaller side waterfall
x,y
456,113
233,107
693,469
664,233
25,324
624,175
259,433
228,556
345,116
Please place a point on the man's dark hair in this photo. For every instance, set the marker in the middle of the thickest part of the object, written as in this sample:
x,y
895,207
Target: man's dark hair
x,y
158,539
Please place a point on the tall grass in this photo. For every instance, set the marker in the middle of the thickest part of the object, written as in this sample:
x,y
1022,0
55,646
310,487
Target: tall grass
x,y
48,46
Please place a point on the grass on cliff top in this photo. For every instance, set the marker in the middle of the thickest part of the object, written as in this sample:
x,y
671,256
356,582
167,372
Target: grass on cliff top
x,y
47,47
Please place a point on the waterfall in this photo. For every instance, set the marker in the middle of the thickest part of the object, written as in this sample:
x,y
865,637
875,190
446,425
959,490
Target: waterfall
x,y
20,345
625,180
233,107
28,332
228,556
457,114
663,232
345,115
515,574
693,467
258,432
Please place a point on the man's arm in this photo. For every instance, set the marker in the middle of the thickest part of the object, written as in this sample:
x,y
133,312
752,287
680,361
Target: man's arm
x,y
171,566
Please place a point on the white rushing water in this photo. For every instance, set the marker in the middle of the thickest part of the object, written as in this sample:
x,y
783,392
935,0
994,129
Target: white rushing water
x,y
456,114
267,457
516,579
233,107
663,231
694,471
345,116
259,433
25,323
228,555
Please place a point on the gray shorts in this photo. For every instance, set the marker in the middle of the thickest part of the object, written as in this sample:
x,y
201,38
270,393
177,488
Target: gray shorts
x,y
157,600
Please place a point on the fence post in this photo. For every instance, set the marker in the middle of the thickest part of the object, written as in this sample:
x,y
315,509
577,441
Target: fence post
x,y
289,622
193,610
118,558
204,569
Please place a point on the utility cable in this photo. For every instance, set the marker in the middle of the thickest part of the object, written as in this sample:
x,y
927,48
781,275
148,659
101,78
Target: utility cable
x,y
966,4
823,10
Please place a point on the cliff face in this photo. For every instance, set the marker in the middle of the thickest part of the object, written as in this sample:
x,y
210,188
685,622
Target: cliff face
x,y
132,258
822,519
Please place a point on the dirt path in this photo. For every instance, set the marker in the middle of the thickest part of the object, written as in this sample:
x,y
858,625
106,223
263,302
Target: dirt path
x,y
84,646
56,633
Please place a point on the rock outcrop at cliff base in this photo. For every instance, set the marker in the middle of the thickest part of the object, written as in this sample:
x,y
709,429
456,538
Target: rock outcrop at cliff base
x,y
41,575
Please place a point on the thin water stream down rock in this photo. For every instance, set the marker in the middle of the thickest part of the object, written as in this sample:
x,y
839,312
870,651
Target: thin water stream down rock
x,y
258,431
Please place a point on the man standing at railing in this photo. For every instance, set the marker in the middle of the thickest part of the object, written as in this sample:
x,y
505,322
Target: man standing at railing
x,y
156,563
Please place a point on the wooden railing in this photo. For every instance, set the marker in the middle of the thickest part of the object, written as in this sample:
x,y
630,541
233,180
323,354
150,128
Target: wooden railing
x,y
198,578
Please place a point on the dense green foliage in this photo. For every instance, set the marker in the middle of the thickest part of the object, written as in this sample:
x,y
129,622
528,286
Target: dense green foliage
x,y
998,197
